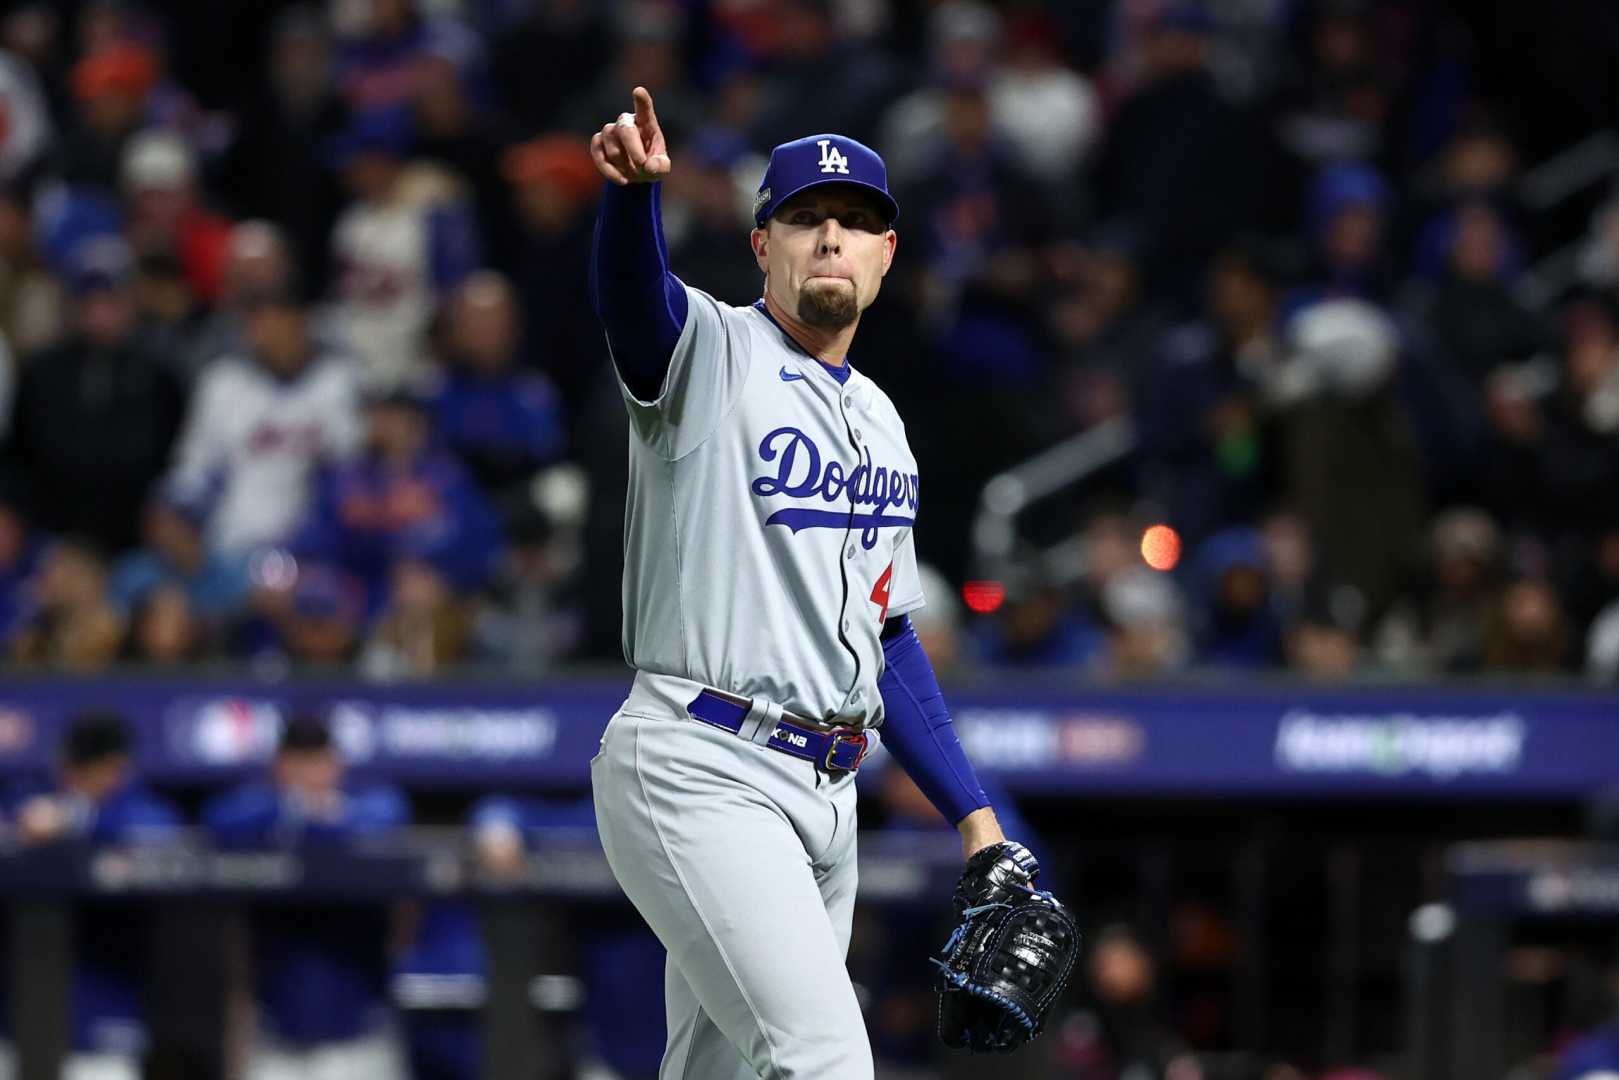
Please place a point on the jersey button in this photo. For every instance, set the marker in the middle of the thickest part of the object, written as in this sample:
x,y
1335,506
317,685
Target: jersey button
x,y
851,551
857,435
845,626
848,402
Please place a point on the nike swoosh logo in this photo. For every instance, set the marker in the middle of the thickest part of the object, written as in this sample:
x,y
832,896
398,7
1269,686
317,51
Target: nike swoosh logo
x,y
788,376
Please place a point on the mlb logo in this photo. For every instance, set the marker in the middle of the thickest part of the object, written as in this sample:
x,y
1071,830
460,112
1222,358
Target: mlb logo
x,y
234,731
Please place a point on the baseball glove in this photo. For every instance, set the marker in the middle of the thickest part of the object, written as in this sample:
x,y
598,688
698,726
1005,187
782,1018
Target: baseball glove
x,y
1008,959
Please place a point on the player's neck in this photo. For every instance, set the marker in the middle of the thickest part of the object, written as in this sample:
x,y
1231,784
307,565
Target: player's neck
x,y
827,346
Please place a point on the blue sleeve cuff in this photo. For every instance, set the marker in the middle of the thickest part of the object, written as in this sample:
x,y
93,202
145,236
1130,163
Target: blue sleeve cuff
x,y
918,732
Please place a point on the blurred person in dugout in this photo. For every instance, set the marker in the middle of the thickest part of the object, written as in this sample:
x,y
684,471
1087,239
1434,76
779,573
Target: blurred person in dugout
x,y
318,973
94,799
621,963
1123,1034
894,940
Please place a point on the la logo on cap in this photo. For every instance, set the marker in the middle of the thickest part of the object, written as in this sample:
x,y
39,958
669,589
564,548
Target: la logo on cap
x,y
832,161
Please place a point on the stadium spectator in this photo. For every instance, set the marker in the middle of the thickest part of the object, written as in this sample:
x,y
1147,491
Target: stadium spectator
x,y
796,95
109,25
257,263
1241,630
96,417
1322,639
425,626
1127,1033
8,386
1527,632
1037,625
113,87
20,552
164,631
262,424
706,206
452,130
1102,326
1347,447
980,229
574,38
320,974
962,43
1349,207
95,799
1551,454
1206,431
1145,627
167,315
529,617
503,423
174,555
28,128
404,242
1178,162
1437,626
69,621
1047,114
554,188
1333,105
166,216
402,498
648,50
939,623
277,167
383,45
317,620
1476,318
31,299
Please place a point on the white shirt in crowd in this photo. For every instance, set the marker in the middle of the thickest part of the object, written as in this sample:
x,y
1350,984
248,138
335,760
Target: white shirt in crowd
x,y
254,443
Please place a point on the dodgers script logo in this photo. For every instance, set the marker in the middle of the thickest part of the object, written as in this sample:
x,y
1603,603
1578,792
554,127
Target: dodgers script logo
x,y
800,475
831,159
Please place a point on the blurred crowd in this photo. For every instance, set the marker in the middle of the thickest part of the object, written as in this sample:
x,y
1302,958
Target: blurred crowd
x,y
298,365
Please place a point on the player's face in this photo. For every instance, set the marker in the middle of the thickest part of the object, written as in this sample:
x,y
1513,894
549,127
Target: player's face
x,y
824,254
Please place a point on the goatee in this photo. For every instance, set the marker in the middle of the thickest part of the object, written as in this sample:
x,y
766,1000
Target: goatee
x,y
827,306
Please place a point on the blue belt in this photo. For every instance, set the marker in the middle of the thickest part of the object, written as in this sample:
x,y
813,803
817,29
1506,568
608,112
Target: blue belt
x,y
839,749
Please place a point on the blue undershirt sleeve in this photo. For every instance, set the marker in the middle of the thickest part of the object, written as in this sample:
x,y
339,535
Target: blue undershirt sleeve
x,y
640,303
918,732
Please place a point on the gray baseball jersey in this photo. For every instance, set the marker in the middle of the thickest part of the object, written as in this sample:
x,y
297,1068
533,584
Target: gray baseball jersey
x,y
768,525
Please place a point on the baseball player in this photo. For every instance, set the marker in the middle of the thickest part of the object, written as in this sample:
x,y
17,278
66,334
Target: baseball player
x,y
98,800
769,569
319,971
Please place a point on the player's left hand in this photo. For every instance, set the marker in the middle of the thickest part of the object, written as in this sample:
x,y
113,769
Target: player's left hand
x,y
632,149
1010,956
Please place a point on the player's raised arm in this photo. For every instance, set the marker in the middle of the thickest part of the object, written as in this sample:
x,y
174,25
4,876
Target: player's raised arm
x,y
640,303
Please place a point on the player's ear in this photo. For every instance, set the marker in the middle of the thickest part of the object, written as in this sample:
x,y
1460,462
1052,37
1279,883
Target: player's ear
x,y
760,241
890,243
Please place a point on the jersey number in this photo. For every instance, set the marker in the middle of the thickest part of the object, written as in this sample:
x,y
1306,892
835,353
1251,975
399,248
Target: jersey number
x,y
879,593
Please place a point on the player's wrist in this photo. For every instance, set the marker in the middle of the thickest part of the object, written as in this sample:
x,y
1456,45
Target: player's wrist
x,y
979,830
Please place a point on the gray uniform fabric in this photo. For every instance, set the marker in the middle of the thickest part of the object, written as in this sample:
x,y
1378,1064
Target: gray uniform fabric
x,y
767,539
768,523
742,860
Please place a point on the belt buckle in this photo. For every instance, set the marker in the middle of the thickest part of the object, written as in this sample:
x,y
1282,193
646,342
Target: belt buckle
x,y
843,735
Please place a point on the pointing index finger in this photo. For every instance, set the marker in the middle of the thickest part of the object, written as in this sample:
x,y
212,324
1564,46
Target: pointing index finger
x,y
644,115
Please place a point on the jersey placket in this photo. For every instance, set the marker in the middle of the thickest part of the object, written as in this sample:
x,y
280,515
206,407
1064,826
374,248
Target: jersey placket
x,y
853,569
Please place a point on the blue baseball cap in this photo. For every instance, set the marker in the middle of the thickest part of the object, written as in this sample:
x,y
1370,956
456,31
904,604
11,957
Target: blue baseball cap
x,y
821,159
